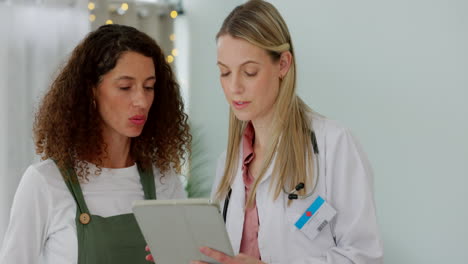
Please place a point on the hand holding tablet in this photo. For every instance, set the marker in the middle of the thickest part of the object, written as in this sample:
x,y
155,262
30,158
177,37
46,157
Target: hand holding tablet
x,y
177,229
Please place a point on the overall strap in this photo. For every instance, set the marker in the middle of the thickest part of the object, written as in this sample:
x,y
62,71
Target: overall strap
x,y
71,180
147,181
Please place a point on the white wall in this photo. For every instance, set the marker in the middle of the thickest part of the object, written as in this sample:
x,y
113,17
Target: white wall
x,y
4,201
208,109
34,41
396,73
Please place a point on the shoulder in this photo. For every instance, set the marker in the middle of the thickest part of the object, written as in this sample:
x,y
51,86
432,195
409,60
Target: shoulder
x,y
330,133
326,127
219,172
221,163
31,214
168,184
168,176
221,160
40,188
43,183
42,173
339,146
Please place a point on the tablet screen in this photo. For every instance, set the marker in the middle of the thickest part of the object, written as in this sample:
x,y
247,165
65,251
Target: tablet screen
x,y
176,229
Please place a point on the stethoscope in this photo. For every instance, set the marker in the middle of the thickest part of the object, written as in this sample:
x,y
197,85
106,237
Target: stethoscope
x,y
292,195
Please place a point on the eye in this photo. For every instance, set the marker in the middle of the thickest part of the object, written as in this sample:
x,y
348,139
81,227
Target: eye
x,y
251,74
124,88
225,74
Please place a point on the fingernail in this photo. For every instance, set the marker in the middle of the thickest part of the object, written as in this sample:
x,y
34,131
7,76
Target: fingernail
x,y
149,258
203,249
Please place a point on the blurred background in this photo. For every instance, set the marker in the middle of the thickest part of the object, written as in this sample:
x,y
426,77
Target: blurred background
x,y
395,72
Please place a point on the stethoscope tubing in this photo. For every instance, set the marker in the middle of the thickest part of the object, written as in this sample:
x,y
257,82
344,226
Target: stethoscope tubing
x,y
293,191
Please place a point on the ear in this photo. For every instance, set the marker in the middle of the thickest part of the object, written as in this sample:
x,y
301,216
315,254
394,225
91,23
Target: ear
x,y
93,99
94,90
285,63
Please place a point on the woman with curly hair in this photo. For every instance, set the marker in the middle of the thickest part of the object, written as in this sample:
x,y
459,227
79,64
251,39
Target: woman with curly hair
x,y
110,130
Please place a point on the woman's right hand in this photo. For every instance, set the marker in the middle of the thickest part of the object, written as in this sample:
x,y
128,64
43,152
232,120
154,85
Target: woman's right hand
x,y
149,257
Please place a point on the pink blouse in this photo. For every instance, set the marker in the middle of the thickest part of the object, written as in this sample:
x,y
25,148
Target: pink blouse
x,y
249,242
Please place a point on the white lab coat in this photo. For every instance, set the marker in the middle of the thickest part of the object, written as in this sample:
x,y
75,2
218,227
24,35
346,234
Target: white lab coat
x,y
345,182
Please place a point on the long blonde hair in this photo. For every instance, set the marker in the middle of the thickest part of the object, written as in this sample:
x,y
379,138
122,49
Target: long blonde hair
x,y
260,23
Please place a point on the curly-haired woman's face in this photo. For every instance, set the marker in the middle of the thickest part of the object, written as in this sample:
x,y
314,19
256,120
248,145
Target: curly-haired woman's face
x,y
125,94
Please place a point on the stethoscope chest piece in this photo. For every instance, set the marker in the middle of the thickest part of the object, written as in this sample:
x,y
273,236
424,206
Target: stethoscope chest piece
x,y
292,195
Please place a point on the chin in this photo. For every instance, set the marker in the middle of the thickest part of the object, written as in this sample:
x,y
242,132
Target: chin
x,y
134,133
243,116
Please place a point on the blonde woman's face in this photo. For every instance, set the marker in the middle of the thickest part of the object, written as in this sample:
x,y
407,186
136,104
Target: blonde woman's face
x,y
249,77
125,95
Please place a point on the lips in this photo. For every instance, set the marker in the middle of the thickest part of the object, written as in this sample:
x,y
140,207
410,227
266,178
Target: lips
x,y
138,119
240,104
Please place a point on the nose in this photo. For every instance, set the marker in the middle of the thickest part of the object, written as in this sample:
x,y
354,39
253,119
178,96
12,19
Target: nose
x,y
235,84
141,98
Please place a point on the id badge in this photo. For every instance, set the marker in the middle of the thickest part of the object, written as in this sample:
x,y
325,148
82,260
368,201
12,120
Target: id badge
x,y
315,218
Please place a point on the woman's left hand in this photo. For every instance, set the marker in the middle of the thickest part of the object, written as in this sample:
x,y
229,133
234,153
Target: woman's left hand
x,y
225,259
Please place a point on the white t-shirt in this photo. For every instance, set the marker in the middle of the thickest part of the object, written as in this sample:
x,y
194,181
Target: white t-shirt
x,y
42,225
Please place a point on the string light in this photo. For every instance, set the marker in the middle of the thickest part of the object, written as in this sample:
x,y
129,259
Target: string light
x,y
123,8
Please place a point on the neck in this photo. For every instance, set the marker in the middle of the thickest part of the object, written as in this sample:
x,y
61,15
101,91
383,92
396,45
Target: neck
x,y
117,152
263,128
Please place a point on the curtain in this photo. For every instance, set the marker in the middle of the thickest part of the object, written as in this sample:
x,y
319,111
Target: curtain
x,y
34,42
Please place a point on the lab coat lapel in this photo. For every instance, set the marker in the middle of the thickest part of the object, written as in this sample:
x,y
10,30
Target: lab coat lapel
x,y
235,217
269,171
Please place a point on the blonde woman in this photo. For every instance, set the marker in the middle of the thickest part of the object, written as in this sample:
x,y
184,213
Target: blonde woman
x,y
294,186
275,143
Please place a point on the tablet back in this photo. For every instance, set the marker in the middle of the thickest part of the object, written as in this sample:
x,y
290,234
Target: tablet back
x,y
176,229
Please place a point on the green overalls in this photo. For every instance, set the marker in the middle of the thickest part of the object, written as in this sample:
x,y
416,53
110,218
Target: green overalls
x,y
105,240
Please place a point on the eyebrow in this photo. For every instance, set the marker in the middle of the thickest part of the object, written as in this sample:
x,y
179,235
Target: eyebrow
x,y
132,78
247,62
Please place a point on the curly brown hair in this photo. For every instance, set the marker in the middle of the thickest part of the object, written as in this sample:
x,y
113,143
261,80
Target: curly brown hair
x,y
66,128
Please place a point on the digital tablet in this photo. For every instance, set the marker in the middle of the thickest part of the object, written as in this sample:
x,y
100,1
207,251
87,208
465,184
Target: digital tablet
x,y
176,229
